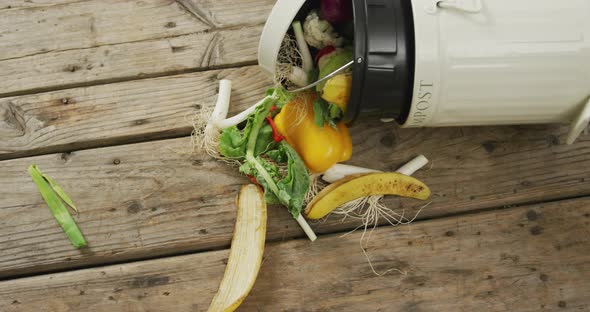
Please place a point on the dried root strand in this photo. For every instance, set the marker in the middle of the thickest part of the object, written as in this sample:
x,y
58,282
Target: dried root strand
x,y
364,249
370,210
204,138
315,186
288,58
302,101
206,131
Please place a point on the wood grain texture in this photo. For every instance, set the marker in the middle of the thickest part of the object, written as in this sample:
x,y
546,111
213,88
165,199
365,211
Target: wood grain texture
x,y
531,258
146,200
117,113
28,4
81,43
68,25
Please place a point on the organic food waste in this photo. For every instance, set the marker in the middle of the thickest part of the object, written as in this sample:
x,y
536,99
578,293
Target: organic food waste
x,y
286,142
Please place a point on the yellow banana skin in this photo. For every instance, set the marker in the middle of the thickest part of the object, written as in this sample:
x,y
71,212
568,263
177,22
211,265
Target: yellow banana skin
x,y
358,186
247,248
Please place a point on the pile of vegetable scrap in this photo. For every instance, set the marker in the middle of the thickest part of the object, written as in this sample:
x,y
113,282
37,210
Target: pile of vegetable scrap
x,y
287,140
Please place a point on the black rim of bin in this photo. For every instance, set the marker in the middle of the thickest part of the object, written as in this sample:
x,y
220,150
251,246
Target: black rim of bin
x,y
383,72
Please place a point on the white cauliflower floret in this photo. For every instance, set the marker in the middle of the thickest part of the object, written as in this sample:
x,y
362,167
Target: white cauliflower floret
x,y
319,33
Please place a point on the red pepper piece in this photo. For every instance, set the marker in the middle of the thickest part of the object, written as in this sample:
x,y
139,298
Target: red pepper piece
x,y
324,51
276,136
252,179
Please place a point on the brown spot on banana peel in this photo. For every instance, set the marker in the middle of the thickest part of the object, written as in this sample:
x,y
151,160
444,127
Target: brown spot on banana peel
x,y
358,186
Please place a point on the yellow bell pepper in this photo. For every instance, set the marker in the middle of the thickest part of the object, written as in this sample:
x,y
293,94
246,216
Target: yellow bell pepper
x,y
337,90
319,147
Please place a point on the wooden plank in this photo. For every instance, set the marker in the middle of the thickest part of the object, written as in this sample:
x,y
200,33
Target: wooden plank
x,y
117,113
145,200
531,258
83,43
20,4
87,24
144,59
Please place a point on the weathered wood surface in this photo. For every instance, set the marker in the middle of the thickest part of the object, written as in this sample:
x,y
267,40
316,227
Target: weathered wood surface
x,y
118,113
531,258
90,42
85,74
146,200
21,4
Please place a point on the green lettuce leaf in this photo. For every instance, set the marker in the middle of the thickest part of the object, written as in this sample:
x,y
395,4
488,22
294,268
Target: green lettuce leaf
x,y
283,97
278,155
248,169
335,60
232,143
294,186
264,141
255,145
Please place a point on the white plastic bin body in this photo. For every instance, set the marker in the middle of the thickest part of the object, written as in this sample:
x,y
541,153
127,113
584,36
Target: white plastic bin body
x,y
493,62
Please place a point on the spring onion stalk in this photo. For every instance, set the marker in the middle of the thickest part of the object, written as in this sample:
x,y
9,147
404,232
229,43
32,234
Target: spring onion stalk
x,y
413,165
306,228
221,105
237,119
60,192
57,208
307,61
218,119
339,171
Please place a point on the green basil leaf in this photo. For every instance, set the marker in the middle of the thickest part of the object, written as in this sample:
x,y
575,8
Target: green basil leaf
x,y
318,113
334,111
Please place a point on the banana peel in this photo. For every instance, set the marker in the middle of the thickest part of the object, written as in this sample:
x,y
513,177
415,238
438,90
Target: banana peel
x,y
361,185
247,248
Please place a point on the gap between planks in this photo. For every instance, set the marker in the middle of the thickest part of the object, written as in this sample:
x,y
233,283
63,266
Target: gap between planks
x,y
117,136
520,259
125,79
37,56
172,221
301,237
205,31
